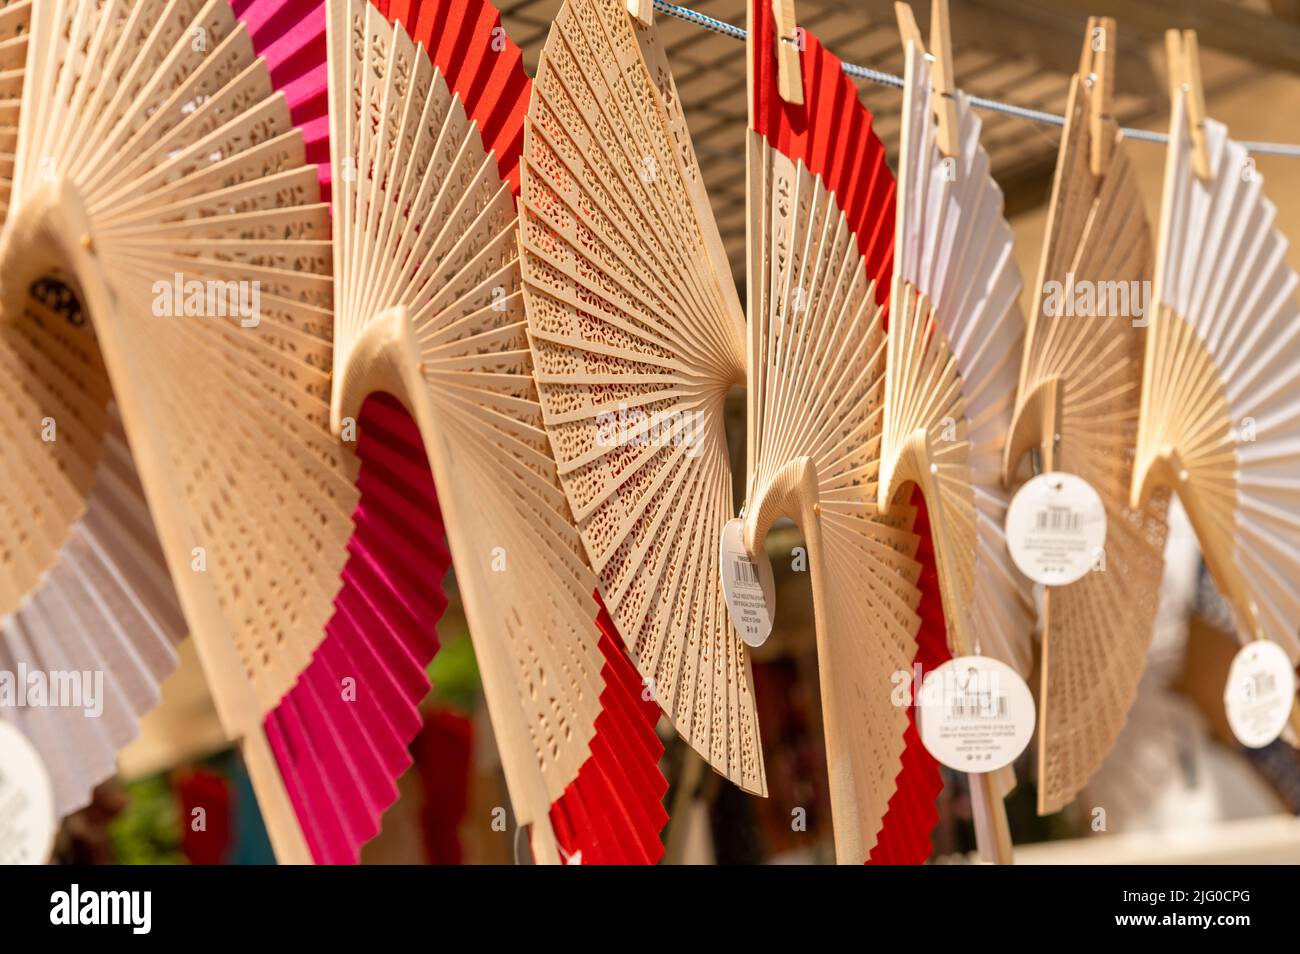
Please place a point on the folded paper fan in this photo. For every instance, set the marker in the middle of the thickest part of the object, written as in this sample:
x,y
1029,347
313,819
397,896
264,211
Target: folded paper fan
x,y
829,134
613,811
638,334
1077,406
103,614
94,593
160,179
954,346
428,309
1220,423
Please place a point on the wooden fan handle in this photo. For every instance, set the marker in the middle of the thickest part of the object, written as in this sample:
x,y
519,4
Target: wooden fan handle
x,y
993,837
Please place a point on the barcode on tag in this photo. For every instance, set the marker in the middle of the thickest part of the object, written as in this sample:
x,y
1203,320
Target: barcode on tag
x,y
745,572
978,705
1061,519
1261,684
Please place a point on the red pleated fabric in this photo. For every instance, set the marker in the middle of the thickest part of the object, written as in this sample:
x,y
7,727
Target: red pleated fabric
x,y
467,43
613,811
831,132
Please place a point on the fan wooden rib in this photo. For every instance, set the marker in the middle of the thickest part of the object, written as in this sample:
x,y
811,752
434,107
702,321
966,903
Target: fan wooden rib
x,y
434,314
636,338
164,150
1219,420
15,26
1078,407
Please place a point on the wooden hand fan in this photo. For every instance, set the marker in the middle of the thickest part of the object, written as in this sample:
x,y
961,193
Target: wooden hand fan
x,y
954,346
1219,420
159,178
817,122
1077,407
428,309
83,586
1149,761
638,334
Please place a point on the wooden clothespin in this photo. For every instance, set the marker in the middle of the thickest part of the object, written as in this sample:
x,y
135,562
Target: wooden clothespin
x,y
789,46
643,11
944,81
1185,76
1097,68
943,96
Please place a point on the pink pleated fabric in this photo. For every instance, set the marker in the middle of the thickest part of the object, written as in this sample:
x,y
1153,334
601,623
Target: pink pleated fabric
x,y
341,735
290,36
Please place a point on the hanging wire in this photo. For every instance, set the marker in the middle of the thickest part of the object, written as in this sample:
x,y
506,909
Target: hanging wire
x,y
882,78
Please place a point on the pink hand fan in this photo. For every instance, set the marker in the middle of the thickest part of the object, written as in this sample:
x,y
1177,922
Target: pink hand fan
x,y
424,270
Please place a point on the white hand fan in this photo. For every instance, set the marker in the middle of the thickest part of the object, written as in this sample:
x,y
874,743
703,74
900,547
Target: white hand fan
x,y
954,346
1220,423
1077,406
638,334
103,615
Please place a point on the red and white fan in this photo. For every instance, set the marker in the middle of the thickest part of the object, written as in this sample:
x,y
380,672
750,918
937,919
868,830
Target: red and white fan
x,y
954,352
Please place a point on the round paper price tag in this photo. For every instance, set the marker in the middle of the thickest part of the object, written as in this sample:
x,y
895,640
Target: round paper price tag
x,y
26,801
1259,694
747,586
1056,528
976,714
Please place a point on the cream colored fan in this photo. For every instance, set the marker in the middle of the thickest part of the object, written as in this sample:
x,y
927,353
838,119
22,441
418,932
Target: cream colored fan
x,y
638,333
954,346
84,591
1077,409
1220,422
160,180
636,337
429,309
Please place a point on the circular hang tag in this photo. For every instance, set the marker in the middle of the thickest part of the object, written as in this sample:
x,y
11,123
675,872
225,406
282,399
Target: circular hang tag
x,y
976,714
1259,694
1056,528
26,801
747,586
